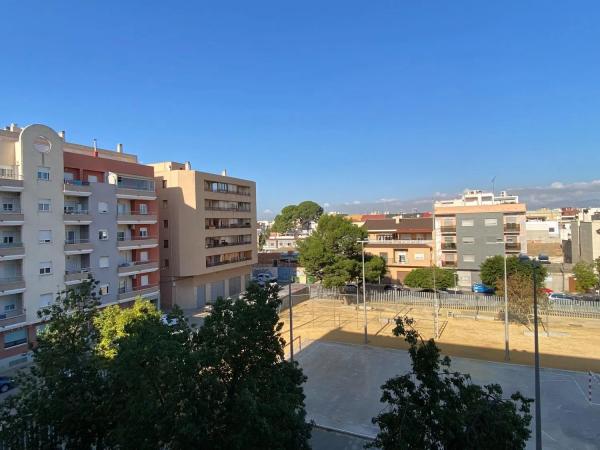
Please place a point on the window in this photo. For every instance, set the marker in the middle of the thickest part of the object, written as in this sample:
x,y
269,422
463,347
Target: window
x,y
143,232
68,176
46,268
104,262
10,307
143,256
468,240
8,239
15,338
165,204
8,205
143,208
46,299
166,263
45,236
102,207
103,289
103,235
165,223
467,222
92,178
468,258
120,236
166,243
401,257
490,222
43,173
419,256
44,205
551,229
144,280
164,184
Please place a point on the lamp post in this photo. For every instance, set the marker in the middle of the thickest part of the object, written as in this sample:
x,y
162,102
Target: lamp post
x,y
364,286
538,407
506,344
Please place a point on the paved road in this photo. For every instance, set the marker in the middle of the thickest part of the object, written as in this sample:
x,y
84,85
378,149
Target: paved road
x,y
343,391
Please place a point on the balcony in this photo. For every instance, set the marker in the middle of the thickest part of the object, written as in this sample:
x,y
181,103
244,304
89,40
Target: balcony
x,y
133,242
513,247
134,188
76,276
136,267
448,263
228,261
449,246
227,226
126,293
78,246
512,228
12,285
77,188
9,217
227,208
76,216
136,217
12,317
12,250
227,244
376,242
448,228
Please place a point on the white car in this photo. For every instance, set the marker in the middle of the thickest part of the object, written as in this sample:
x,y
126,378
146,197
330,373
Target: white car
x,y
264,278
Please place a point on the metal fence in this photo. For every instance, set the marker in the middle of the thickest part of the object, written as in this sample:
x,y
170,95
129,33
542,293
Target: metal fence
x,y
467,302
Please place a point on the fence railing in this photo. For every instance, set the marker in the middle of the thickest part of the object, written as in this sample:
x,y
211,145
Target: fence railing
x,y
469,302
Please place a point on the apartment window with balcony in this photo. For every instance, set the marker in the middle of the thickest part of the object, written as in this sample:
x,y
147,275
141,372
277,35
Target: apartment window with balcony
x,y
46,268
45,236
8,205
10,307
143,232
490,222
44,205
143,208
46,299
143,256
103,235
43,173
104,262
120,236
468,240
467,223
103,289
15,338
8,238
68,176
92,178
102,207
468,258
144,281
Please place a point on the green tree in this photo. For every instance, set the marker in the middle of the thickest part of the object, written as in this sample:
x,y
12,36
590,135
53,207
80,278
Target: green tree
x,y
307,212
432,407
585,278
262,237
297,217
492,269
285,221
423,278
520,297
332,254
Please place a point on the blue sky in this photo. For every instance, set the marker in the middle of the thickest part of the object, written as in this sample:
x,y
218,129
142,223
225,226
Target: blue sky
x,y
334,101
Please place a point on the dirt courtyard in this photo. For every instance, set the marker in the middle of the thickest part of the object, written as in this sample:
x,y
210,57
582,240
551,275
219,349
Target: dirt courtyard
x,y
565,343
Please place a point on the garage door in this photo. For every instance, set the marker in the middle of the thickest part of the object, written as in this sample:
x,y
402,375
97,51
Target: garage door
x,y
235,286
217,289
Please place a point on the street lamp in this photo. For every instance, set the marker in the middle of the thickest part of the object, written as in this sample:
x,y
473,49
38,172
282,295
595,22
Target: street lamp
x,y
538,407
362,247
506,346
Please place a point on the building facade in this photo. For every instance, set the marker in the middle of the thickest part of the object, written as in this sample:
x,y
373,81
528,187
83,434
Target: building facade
x,y
69,212
477,226
585,239
405,244
207,231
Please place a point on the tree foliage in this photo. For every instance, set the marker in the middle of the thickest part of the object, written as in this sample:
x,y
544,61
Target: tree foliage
x,y
585,277
423,278
297,217
122,378
520,297
333,255
432,407
492,269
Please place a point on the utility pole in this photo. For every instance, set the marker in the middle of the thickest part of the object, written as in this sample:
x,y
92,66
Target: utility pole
x,y
506,343
538,406
364,286
436,325
291,322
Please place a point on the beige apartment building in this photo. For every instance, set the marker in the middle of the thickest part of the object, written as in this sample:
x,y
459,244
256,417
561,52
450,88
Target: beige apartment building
x,y
207,234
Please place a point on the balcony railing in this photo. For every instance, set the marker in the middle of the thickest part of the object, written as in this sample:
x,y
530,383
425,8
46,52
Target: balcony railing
x,y
71,211
130,291
16,209
10,280
227,191
135,263
512,227
138,185
448,228
514,246
135,238
77,241
226,244
10,173
228,261
448,245
448,263
400,241
77,182
15,244
227,208
136,212
224,227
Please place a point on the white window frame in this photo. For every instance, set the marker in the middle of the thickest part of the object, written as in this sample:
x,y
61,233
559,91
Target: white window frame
x,y
490,222
45,236
100,262
103,235
468,240
469,258
45,268
143,232
48,298
103,290
467,223
143,208
43,171
44,205
102,207
144,280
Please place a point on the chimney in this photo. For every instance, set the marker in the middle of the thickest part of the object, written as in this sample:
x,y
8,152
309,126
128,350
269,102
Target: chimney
x,y
95,148
14,127
62,134
224,172
188,165
119,148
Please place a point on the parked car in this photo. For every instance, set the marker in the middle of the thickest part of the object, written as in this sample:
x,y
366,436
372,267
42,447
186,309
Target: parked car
x,y
264,278
350,289
481,288
559,296
168,321
547,291
6,383
395,287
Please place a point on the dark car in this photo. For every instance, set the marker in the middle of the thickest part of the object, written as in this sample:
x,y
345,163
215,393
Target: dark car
x,y
6,383
394,287
350,289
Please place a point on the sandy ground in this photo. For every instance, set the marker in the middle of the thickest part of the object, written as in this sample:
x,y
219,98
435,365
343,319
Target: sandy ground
x,y
565,343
